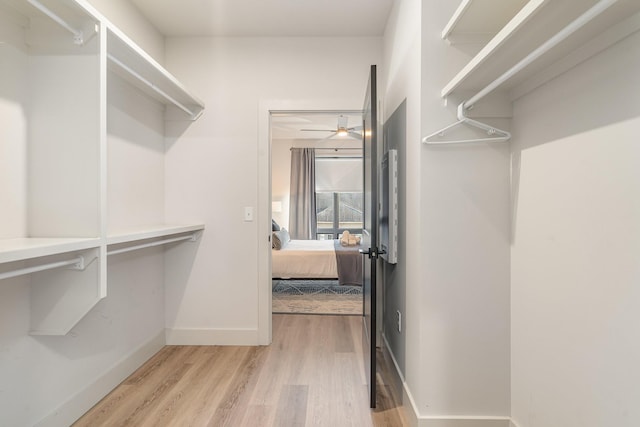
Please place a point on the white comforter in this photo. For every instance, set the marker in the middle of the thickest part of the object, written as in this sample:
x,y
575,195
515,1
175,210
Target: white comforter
x,y
305,259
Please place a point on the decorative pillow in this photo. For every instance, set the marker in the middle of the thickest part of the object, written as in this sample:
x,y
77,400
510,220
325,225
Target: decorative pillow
x,y
279,239
274,226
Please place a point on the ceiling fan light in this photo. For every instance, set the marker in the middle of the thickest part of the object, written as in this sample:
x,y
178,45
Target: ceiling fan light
x,y
342,132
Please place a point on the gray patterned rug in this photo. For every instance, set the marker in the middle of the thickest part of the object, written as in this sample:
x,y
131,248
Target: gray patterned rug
x,y
315,297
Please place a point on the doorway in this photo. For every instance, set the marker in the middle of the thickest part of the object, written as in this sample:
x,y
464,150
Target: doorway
x,y
316,210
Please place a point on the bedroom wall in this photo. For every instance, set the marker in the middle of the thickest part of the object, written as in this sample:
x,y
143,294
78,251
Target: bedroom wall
x,y
464,255
281,177
575,246
212,167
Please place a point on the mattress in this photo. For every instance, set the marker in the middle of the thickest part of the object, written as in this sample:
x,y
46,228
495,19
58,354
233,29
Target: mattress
x,y
305,259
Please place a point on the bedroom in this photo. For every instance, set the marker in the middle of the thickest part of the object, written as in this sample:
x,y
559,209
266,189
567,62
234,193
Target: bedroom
x,y
319,270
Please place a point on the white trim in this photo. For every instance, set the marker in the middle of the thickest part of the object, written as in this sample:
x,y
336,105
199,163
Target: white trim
x,y
466,421
81,402
211,336
410,411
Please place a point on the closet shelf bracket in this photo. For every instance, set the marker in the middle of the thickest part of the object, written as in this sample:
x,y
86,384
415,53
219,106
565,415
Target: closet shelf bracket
x,y
493,134
77,263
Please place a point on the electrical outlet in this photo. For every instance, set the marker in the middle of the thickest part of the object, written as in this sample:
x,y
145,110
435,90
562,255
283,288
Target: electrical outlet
x,y
399,320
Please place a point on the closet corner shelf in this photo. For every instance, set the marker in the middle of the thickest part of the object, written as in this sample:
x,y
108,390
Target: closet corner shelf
x,y
26,248
150,232
480,19
137,67
530,28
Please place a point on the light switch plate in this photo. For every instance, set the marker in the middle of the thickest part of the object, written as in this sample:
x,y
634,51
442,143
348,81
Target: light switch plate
x,y
248,214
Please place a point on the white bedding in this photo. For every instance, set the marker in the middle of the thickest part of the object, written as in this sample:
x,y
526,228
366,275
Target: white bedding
x,y
305,259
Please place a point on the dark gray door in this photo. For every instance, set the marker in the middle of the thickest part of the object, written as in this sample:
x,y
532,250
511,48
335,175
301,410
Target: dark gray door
x,y
370,234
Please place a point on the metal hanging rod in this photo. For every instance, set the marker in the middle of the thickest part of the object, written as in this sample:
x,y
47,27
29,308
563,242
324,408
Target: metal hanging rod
x,y
75,263
78,35
153,87
192,238
561,35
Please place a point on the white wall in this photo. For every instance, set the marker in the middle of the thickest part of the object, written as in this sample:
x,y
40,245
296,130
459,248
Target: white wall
x,y
576,244
135,147
13,141
464,250
212,167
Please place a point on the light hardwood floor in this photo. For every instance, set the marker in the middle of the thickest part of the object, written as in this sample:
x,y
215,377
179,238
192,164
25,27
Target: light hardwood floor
x,y
311,375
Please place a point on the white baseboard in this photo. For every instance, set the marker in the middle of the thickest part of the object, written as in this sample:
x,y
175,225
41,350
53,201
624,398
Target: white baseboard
x,y
413,417
467,421
408,405
84,400
211,336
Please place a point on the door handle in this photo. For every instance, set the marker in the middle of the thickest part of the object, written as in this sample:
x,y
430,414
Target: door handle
x,y
372,253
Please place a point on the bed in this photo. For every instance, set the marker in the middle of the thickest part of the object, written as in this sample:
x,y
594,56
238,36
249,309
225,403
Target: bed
x,y
317,259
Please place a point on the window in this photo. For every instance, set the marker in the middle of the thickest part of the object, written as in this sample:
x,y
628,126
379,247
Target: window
x,y
337,212
339,199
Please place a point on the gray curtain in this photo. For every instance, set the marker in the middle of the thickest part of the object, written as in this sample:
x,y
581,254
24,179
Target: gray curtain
x,y
302,202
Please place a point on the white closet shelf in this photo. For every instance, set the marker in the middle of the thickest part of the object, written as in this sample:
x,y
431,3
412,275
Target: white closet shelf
x,y
150,232
26,248
138,68
66,13
531,27
479,19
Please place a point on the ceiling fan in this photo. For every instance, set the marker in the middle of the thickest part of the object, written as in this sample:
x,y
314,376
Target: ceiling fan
x,y
341,130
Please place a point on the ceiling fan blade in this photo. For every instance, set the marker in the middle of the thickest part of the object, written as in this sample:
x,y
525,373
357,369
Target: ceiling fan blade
x,y
328,137
355,135
317,130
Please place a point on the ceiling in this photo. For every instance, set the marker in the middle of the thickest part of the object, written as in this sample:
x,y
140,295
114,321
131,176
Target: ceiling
x,y
267,18
290,125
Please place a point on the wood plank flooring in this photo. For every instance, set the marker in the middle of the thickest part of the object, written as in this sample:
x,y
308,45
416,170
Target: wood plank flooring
x,y
311,375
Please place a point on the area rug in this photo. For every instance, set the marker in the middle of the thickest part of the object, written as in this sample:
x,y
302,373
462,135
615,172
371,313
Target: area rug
x,y
315,297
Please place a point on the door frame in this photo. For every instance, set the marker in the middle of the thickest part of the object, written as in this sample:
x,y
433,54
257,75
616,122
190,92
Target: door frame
x,y
263,214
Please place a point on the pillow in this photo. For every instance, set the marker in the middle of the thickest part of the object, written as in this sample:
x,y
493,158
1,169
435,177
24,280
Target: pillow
x,y
279,239
274,226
